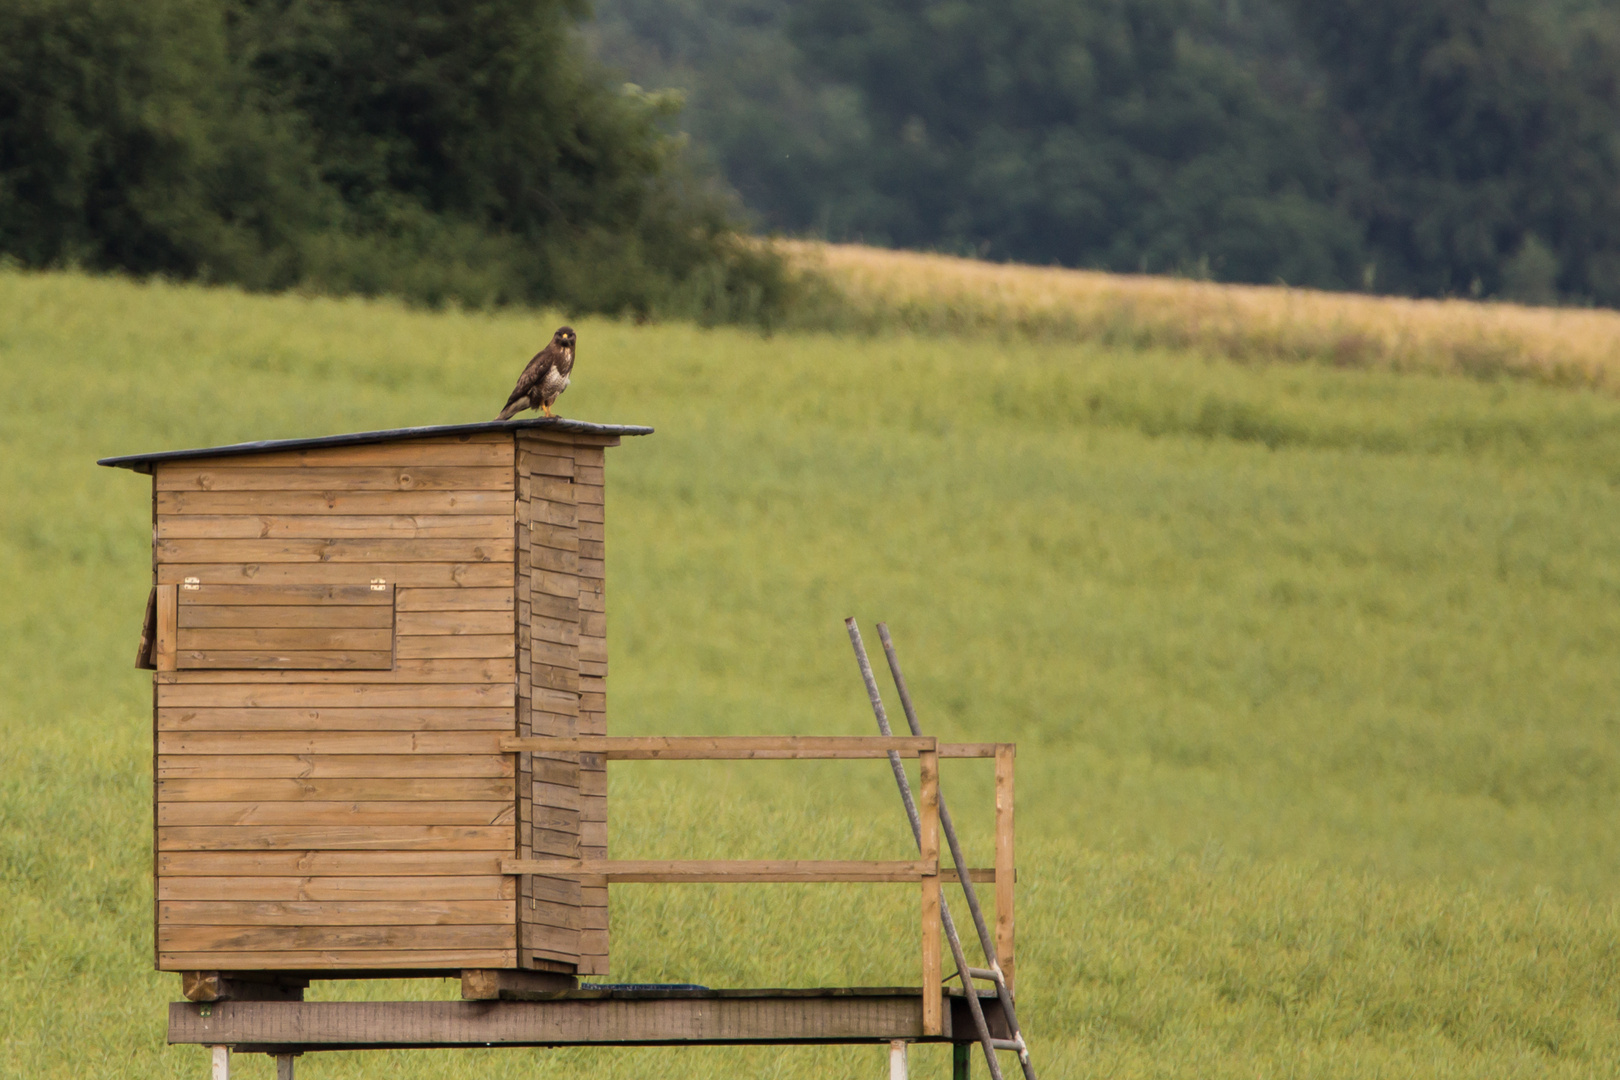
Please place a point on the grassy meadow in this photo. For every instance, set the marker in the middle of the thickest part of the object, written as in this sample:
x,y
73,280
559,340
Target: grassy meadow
x,y
1314,672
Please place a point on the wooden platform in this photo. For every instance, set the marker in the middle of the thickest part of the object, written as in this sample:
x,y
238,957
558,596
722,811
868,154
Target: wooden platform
x,y
581,1018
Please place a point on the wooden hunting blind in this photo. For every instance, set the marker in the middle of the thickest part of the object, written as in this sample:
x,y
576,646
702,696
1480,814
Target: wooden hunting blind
x,y
380,747
343,630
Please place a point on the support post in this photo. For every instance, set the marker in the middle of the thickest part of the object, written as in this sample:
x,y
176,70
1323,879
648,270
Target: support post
x,y
961,1061
222,1063
897,1059
284,1067
1004,862
928,811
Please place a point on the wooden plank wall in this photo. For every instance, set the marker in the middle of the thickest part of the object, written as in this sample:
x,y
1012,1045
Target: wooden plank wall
x,y
562,692
311,820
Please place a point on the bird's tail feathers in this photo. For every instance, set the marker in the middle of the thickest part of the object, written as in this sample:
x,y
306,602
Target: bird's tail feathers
x,y
513,408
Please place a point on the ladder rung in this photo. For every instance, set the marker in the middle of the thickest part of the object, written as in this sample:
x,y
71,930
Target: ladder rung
x,y
1008,1044
985,973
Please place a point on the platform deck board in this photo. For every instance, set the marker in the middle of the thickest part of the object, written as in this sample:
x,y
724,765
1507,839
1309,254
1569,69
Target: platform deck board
x,y
579,1018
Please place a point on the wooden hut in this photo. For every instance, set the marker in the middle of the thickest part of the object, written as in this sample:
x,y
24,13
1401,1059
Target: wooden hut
x,y
342,630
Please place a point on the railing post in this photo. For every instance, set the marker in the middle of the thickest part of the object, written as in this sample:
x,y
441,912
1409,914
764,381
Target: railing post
x,y
928,811
1004,861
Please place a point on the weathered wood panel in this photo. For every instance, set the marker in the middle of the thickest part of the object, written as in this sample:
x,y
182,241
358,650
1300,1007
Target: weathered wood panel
x,y
446,646
340,818
280,864
334,526
308,767
199,617
456,600
547,645
336,838
404,671
229,938
255,504
334,913
436,887
261,959
429,575
189,477
334,695
328,742
318,812
269,719
578,1018
236,788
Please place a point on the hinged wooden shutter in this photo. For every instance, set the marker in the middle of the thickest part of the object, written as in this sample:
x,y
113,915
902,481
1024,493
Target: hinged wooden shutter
x,y
286,627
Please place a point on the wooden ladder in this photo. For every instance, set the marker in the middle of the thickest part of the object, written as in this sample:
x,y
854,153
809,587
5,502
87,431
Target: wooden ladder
x,y
993,973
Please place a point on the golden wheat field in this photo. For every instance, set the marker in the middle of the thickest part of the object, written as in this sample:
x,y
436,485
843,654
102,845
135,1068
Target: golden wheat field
x,y
1266,322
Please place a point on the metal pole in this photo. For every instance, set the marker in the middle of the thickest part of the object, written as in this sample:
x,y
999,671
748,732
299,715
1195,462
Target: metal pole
x,y
897,1059
945,919
985,941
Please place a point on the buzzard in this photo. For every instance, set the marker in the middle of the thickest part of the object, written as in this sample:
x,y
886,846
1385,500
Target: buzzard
x,y
545,378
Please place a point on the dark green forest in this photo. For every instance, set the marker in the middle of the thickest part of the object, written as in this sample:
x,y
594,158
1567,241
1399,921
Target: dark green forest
x,y
504,151
436,149
1427,147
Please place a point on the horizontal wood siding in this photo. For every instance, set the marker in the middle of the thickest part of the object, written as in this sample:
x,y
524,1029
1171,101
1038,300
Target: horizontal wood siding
x,y
339,819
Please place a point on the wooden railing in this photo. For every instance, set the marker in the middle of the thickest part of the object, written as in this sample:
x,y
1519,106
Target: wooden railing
x,y
926,870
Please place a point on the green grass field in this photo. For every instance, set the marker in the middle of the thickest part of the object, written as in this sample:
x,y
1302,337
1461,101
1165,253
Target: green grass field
x,y
1315,676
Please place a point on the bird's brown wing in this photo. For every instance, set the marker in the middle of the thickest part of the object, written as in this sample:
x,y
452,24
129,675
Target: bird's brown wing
x,y
533,375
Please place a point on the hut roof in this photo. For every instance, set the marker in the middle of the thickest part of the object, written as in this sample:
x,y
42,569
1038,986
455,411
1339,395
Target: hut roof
x,y
144,462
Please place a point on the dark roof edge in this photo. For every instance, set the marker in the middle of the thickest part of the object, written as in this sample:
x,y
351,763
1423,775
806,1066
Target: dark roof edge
x,y
143,462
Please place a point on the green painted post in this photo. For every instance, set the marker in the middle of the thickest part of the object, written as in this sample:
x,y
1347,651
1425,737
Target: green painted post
x,y
961,1061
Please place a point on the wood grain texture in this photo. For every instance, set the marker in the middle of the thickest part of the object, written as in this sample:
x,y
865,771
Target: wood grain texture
x,y
188,477
318,812
445,575
406,719
500,599
336,837
292,616
403,671
260,959
928,848
302,638
1005,876
308,767
447,646
727,748
333,526
165,645
175,913
580,1017
347,889
281,660
335,695
248,937
345,550
432,451
328,742
255,504
336,789
428,865
427,623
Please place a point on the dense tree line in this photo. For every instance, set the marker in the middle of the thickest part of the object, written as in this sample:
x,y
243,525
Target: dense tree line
x,y
441,149
1431,147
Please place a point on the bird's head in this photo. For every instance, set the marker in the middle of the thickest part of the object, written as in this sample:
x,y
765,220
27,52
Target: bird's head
x,y
564,337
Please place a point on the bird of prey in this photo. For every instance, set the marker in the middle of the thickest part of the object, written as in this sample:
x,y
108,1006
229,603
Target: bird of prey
x,y
545,378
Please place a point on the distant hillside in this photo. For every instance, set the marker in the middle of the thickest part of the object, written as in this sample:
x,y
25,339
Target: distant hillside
x,y
875,288
1416,147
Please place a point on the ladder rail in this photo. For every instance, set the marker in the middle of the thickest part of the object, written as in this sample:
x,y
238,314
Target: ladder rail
x,y
986,942
946,922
